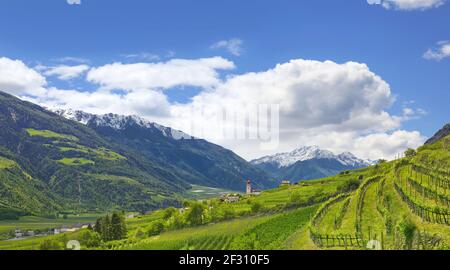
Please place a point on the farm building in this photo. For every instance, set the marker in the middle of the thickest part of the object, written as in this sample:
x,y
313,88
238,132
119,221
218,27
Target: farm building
x,y
285,183
230,198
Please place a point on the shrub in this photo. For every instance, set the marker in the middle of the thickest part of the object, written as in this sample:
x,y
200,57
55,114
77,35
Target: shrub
x,y
296,198
407,228
410,153
256,207
51,244
139,233
348,185
155,228
194,215
169,212
91,239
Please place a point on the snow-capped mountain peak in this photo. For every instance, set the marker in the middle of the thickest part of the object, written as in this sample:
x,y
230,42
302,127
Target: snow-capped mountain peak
x,y
310,152
78,116
119,122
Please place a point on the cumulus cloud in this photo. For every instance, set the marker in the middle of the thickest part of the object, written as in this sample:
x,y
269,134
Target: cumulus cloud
x,y
63,72
233,46
408,4
74,2
387,145
144,102
338,106
323,103
442,51
16,78
176,72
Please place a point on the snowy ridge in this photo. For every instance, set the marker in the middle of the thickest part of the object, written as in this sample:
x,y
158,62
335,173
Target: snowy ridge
x,y
119,122
311,152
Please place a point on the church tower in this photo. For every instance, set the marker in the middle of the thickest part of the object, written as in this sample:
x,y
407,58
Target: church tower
x,y
249,187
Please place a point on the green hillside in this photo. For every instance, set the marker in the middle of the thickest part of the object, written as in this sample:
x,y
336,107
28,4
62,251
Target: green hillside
x,y
49,164
401,204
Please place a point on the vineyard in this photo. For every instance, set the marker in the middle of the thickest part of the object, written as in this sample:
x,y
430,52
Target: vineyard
x,y
400,204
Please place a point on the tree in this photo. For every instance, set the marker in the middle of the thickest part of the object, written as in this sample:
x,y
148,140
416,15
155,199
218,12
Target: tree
x,y
195,214
155,228
410,153
176,221
111,227
106,228
90,239
98,226
256,207
169,212
118,229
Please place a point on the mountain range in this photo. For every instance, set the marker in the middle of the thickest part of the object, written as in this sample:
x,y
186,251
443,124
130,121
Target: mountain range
x,y
309,162
49,163
196,161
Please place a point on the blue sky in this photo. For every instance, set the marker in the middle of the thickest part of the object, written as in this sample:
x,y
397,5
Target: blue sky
x,y
390,41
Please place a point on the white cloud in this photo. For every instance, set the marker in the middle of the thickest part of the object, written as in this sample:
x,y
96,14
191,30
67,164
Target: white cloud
x,y
387,145
143,56
323,103
439,53
63,72
72,59
144,102
16,78
408,4
170,54
340,107
74,2
176,72
233,46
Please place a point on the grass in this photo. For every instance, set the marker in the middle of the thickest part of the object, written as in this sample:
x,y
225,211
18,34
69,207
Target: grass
x,y
327,223
101,153
34,243
67,143
40,223
6,163
371,218
76,161
50,134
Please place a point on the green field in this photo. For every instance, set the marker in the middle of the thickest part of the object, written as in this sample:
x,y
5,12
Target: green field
x,y
27,223
6,163
75,161
50,134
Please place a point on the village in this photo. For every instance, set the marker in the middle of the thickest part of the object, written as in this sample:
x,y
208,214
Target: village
x,y
20,234
249,191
